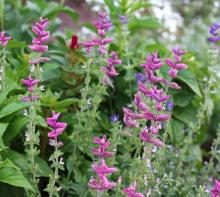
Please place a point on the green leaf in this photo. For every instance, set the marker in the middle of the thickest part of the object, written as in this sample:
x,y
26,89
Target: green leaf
x,y
111,6
137,5
177,130
20,160
16,44
157,47
146,23
190,79
54,9
11,174
3,127
12,108
14,128
186,114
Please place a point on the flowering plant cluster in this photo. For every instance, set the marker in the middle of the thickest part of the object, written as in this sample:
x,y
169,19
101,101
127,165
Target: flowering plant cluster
x,y
102,183
153,108
102,25
170,100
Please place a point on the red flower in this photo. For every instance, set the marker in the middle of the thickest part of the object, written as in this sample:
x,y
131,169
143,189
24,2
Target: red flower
x,y
74,42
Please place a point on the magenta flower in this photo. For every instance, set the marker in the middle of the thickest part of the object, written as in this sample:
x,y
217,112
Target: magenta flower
x,y
146,136
109,70
102,25
177,64
101,150
30,83
152,62
58,127
42,36
101,184
131,191
215,191
139,102
101,169
4,38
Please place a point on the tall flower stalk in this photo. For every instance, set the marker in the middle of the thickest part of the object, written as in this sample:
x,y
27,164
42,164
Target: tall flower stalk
x,y
150,111
4,38
33,98
57,161
101,183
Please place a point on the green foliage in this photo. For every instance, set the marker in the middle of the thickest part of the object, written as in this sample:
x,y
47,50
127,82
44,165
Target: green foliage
x,y
74,87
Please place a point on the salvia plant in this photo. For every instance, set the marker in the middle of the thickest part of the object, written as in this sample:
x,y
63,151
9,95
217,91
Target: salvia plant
x,y
106,109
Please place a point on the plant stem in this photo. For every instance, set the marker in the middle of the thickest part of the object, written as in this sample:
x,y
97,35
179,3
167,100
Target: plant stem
x,y
2,68
31,142
2,14
56,175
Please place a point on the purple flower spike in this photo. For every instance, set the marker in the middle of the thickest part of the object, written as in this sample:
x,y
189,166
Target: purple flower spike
x,y
123,19
4,38
131,191
140,77
214,34
169,106
114,118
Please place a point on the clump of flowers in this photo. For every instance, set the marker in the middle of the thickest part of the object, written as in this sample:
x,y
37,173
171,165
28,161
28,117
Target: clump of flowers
x,y
109,70
177,64
215,191
32,135
102,25
38,45
101,183
150,101
131,191
30,83
57,161
4,38
214,37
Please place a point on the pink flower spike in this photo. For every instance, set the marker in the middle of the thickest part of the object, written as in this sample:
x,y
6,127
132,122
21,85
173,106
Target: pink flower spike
x,y
215,191
102,141
131,191
102,168
30,83
162,117
172,72
4,38
146,136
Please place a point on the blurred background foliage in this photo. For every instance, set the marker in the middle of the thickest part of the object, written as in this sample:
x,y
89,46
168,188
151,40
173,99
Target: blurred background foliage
x,y
152,26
